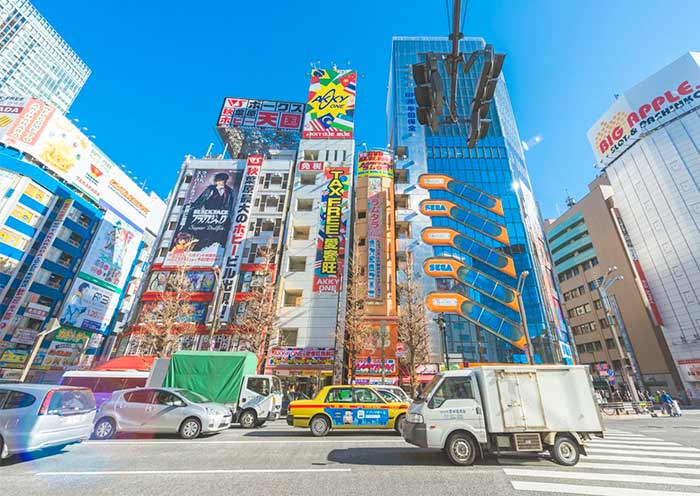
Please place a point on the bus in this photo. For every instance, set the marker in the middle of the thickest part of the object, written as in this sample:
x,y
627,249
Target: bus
x,y
104,382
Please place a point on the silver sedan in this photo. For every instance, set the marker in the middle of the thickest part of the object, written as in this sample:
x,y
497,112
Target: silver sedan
x,y
160,410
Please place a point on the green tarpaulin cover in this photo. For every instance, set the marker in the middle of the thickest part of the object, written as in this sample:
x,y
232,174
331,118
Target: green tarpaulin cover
x,y
214,374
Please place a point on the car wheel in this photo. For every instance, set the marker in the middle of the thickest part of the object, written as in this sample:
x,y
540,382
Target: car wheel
x,y
399,424
104,429
461,449
248,419
319,426
190,428
565,451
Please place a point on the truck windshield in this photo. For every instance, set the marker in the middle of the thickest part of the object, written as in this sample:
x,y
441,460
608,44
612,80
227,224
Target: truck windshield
x,y
429,388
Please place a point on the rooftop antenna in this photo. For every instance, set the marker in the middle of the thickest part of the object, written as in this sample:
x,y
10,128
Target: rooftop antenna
x,y
570,202
211,145
223,154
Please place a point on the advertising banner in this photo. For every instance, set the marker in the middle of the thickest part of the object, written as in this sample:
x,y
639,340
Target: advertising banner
x,y
24,133
311,165
202,231
9,318
112,253
36,311
65,349
123,195
241,219
264,114
24,336
161,281
301,357
89,306
655,101
330,242
330,107
10,108
375,233
689,369
152,309
375,164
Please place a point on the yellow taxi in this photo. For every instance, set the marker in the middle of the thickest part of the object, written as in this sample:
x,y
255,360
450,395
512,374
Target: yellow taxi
x,y
348,407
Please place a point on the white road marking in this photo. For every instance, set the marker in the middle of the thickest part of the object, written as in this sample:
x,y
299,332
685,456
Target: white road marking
x,y
622,434
190,472
634,438
549,487
641,447
657,453
148,442
642,479
639,468
641,459
635,442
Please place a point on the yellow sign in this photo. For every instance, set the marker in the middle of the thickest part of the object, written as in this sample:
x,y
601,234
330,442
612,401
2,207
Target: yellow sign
x,y
23,215
37,194
12,239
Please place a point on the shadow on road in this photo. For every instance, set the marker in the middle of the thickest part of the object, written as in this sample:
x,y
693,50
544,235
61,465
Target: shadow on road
x,y
32,456
388,457
305,433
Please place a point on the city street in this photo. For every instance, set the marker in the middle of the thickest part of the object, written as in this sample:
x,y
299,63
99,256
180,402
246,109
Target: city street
x,y
639,457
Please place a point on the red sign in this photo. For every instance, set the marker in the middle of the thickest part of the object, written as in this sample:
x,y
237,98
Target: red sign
x,y
314,166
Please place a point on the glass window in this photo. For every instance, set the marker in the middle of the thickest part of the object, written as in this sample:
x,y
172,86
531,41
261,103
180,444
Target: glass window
x,y
452,388
193,397
3,394
339,395
17,399
71,401
166,399
260,385
134,382
390,397
140,396
366,395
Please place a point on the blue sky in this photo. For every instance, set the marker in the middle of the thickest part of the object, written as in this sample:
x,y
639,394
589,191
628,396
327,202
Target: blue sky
x,y
161,69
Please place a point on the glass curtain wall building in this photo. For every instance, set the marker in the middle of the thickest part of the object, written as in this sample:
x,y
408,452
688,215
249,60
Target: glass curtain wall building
x,y
470,226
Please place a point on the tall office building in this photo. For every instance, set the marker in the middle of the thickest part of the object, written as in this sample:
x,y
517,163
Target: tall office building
x,y
468,222
585,241
648,144
35,60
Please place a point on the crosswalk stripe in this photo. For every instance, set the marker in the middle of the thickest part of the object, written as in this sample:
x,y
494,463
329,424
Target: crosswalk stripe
x,y
634,438
635,442
641,447
642,479
639,468
641,459
657,453
549,487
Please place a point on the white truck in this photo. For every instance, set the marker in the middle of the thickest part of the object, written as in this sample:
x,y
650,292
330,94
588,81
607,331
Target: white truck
x,y
492,409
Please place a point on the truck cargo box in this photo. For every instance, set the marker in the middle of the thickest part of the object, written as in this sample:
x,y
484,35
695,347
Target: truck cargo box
x,y
538,398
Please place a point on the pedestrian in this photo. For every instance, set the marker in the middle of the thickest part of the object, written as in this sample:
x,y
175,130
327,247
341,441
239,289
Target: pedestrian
x,y
667,402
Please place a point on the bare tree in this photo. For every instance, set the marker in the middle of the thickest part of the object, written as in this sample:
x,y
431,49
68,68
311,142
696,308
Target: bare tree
x,y
358,331
163,322
412,326
257,323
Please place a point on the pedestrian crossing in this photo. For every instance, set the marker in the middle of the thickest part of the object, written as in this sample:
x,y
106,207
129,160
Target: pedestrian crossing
x,y
622,464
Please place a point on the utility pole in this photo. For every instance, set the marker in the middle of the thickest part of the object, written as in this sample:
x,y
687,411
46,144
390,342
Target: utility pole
x,y
440,321
217,304
382,337
52,326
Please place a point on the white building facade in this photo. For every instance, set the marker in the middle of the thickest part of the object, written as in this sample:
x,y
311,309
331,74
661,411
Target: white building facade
x,y
648,142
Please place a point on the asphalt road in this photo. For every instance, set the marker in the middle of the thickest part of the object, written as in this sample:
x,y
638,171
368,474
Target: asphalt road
x,y
639,457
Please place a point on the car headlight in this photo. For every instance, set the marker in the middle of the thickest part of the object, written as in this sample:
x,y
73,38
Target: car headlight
x,y
210,411
414,418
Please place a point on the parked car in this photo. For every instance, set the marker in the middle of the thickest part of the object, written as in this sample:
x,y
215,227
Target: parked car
x,y
396,391
38,416
103,383
160,410
347,407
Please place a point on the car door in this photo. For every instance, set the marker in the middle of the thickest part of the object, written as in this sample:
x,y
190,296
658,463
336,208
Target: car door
x,y
255,393
453,405
131,409
17,418
372,412
340,405
165,413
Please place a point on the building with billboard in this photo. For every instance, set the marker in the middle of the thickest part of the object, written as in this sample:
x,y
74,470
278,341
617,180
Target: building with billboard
x,y
374,249
71,227
647,143
35,60
317,245
468,222
585,241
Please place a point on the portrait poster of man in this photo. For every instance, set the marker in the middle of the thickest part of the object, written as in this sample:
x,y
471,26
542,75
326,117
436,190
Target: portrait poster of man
x,y
205,222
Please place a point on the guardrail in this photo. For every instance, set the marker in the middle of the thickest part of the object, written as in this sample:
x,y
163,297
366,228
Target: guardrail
x,y
626,407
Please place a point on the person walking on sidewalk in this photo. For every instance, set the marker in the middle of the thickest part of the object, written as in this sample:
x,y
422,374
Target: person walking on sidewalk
x,y
667,402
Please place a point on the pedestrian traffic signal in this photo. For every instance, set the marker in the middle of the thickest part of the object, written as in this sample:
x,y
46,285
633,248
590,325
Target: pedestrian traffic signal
x,y
428,91
485,89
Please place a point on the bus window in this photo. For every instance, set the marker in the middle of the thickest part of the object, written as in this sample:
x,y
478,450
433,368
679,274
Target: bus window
x,y
88,382
133,382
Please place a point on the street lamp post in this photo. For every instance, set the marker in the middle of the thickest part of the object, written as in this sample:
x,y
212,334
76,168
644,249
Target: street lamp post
x,y
523,317
440,321
52,326
603,290
217,306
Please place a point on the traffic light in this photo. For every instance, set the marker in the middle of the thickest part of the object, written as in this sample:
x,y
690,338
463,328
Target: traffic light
x,y
485,88
428,91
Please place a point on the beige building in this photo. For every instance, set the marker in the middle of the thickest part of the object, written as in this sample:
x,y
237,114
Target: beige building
x,y
587,240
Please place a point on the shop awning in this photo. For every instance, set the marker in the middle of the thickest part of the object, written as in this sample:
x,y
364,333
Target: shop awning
x,y
422,379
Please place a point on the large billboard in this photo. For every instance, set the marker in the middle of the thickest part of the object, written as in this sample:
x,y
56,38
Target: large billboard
x,y
330,107
10,108
202,231
655,101
89,306
331,239
262,114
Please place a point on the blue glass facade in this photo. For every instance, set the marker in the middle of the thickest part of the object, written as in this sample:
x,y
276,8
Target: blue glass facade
x,y
496,166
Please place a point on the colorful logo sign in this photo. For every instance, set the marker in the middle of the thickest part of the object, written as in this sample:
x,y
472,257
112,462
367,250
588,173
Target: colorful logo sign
x,y
461,190
311,166
300,357
261,114
330,108
375,164
330,243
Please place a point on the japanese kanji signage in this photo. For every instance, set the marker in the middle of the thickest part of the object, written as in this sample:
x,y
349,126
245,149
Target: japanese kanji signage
x,y
330,243
263,114
241,218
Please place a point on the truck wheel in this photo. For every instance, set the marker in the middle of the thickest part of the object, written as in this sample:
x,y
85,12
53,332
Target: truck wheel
x,y
565,451
104,429
461,449
248,419
399,424
320,426
190,428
